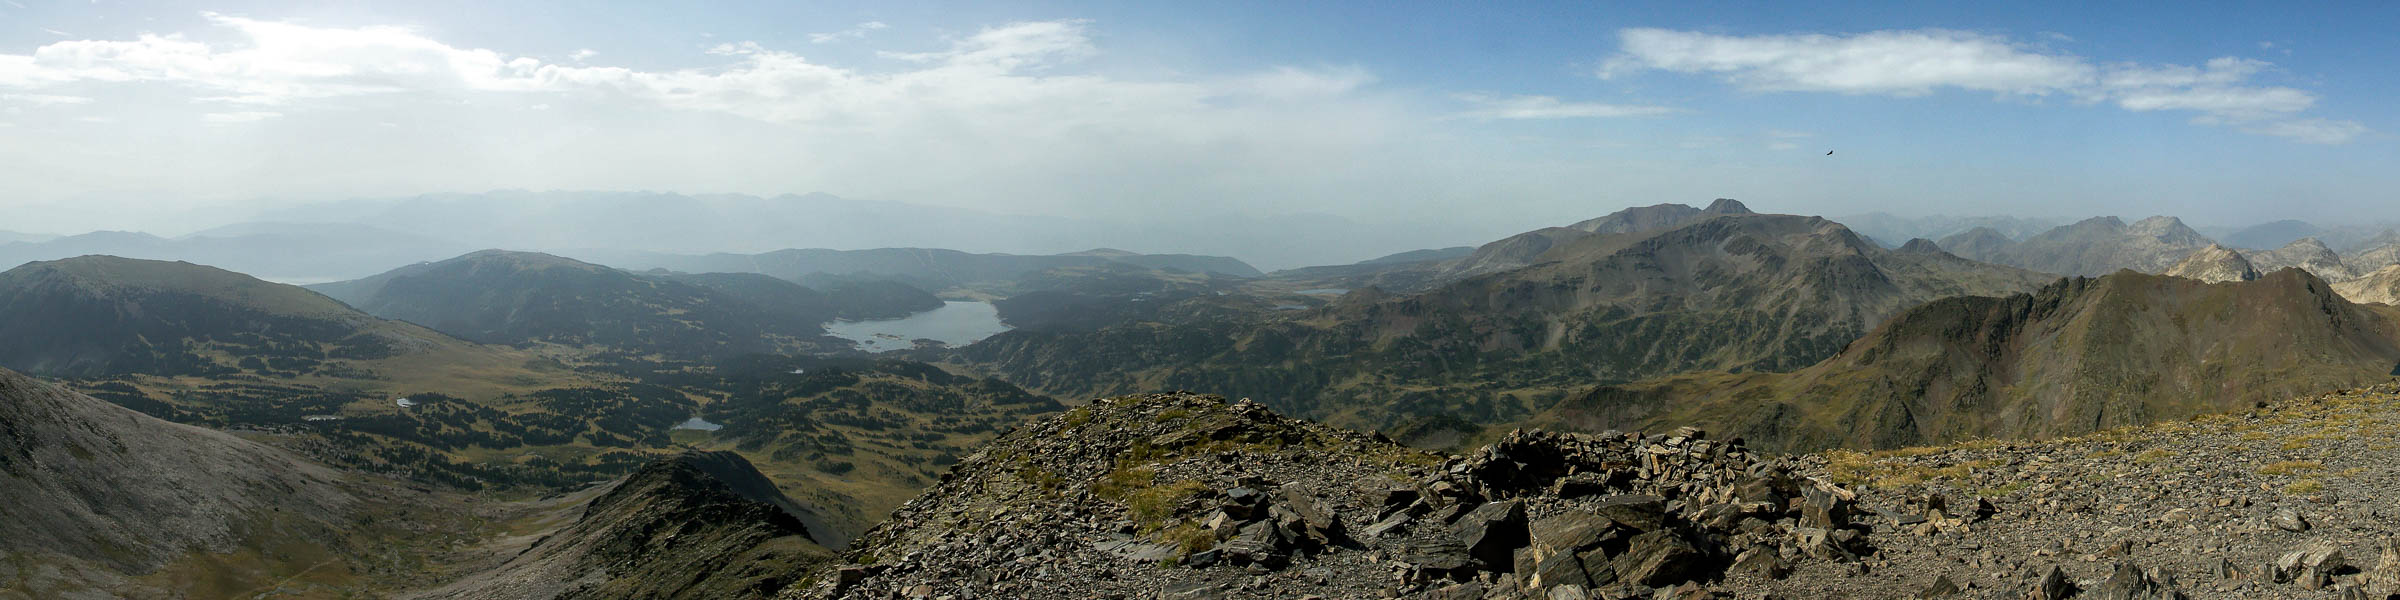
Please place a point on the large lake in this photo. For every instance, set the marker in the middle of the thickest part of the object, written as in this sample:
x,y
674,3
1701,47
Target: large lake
x,y
955,323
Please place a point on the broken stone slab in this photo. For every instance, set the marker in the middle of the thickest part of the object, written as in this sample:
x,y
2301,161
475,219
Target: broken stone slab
x,y
1493,532
1659,559
1640,512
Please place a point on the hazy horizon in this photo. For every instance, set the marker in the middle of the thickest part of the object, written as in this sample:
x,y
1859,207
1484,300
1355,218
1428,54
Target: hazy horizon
x,y
1446,122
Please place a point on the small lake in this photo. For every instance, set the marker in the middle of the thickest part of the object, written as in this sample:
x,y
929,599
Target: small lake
x,y
698,423
955,323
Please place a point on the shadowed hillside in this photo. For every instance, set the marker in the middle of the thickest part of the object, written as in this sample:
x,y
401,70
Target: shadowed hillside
x,y
2078,356
98,315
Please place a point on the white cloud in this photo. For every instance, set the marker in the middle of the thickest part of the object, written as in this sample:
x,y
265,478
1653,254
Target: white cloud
x,y
2313,131
238,117
1547,107
583,54
1009,116
858,31
55,32
1920,62
1905,63
43,99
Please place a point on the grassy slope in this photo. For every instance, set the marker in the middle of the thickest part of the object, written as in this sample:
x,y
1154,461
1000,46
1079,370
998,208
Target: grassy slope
x,y
2079,356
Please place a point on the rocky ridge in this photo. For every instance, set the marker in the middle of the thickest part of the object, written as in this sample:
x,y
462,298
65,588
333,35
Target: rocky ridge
x,y
700,525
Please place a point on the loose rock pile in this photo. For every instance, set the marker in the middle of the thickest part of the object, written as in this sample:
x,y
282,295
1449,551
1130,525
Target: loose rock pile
x,y
1185,496
1278,507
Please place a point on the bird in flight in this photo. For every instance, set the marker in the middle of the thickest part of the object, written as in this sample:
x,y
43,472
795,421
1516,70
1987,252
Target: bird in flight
x,y
1829,153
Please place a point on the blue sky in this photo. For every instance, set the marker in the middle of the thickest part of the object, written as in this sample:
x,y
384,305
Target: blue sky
x,y
1459,118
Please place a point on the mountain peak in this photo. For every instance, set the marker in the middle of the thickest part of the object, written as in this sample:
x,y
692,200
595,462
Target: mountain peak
x,y
2312,245
1921,245
2215,264
1727,206
2167,229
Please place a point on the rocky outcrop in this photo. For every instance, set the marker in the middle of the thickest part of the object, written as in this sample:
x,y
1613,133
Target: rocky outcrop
x,y
2379,287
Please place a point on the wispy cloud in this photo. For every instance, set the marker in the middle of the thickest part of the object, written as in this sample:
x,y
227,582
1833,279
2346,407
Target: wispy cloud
x,y
583,54
858,31
43,99
1548,107
2314,131
1919,62
238,117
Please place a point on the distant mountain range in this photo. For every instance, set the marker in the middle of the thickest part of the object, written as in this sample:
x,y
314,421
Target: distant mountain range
x,y
1892,229
506,297
581,223
1716,288
290,252
926,268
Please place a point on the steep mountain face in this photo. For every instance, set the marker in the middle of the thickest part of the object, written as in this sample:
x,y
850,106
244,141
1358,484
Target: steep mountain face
x,y
2214,264
2378,253
98,315
2379,287
104,502
2078,356
702,525
502,297
2102,245
1981,243
2305,253
1744,292
1525,248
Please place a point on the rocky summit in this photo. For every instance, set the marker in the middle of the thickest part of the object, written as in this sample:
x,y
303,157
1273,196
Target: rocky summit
x,y
1191,496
